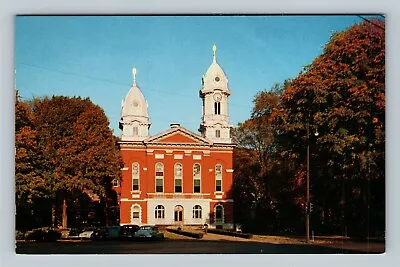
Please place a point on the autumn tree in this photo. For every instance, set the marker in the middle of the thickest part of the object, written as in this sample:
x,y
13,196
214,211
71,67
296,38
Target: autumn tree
x,y
341,95
77,150
29,184
261,174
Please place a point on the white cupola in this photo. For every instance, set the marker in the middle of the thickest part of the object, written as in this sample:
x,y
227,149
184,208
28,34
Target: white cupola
x,y
214,93
134,121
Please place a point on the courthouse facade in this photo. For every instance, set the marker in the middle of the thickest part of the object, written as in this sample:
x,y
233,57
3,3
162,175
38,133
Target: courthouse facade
x,y
178,177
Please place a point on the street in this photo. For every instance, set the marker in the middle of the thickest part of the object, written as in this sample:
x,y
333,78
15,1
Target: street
x,y
174,247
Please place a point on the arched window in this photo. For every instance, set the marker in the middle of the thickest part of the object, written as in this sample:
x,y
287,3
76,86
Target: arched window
x,y
219,213
196,178
159,212
159,177
135,214
178,177
217,108
218,178
135,176
115,183
197,212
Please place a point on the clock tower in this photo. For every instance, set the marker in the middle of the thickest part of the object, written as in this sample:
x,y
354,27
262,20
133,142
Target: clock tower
x,y
214,93
134,121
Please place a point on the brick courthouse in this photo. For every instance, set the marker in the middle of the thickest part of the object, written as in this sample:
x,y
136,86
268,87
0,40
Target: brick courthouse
x,y
178,177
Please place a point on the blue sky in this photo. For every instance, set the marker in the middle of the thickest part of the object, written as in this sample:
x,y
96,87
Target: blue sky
x,y
94,56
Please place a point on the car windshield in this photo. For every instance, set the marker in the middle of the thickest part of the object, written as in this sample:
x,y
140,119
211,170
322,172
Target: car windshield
x,y
147,228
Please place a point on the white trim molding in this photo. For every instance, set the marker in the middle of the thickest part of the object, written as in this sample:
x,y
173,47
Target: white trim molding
x,y
229,170
140,214
124,169
178,156
132,200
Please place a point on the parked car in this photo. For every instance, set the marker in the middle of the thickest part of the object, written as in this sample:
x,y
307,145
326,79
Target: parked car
x,y
74,233
100,233
43,234
86,233
149,232
113,232
128,231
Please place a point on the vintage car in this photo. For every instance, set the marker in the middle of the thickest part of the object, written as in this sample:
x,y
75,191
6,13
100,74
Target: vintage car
x,y
86,233
128,231
149,232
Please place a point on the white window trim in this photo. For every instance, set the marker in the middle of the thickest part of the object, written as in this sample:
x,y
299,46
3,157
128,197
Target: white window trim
x,y
138,177
215,214
155,177
196,178
181,178
222,187
140,213
201,212
117,181
155,212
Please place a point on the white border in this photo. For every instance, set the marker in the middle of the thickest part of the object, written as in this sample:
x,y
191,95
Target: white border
x,y
8,8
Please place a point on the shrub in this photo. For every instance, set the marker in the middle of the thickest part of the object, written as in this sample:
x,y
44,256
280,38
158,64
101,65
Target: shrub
x,y
229,233
186,233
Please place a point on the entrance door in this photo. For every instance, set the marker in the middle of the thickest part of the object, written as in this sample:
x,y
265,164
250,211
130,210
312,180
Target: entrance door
x,y
178,214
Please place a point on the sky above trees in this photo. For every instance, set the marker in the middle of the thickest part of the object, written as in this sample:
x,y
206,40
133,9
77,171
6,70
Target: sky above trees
x,y
93,57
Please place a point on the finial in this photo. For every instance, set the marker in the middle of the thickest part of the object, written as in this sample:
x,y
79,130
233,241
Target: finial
x,y
134,75
214,53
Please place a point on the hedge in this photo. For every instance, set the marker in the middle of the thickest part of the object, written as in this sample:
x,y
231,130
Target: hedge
x,y
185,233
230,233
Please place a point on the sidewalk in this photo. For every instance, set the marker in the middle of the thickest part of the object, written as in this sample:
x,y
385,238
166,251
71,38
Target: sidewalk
x,y
332,242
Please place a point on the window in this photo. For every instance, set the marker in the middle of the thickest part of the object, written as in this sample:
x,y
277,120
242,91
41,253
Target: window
x,y
115,183
217,108
196,178
197,212
178,177
159,212
135,176
135,131
219,213
217,133
218,178
135,214
159,177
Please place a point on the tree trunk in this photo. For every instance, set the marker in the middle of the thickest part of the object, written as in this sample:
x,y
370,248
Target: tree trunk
x,y
64,214
53,215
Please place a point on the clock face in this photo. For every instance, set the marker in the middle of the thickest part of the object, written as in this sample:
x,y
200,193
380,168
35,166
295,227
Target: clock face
x,y
217,79
135,103
217,97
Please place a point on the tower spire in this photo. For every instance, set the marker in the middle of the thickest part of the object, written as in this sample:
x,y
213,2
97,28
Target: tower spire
x,y
134,76
214,53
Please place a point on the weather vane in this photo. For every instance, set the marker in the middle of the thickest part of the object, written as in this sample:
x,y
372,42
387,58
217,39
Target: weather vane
x,y
134,75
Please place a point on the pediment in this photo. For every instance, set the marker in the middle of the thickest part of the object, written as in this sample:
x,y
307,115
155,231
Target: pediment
x,y
178,135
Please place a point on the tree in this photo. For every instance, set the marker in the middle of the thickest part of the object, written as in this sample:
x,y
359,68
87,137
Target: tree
x,y
261,174
77,151
29,184
342,96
